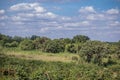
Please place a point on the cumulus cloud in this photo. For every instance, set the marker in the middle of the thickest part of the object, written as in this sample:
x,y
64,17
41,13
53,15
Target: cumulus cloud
x,y
112,11
2,11
39,9
114,23
43,30
77,24
59,1
2,24
97,16
3,17
50,14
37,19
16,18
27,6
21,6
87,9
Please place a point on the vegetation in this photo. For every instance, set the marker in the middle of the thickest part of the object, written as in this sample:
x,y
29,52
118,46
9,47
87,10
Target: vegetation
x,y
55,46
40,58
26,44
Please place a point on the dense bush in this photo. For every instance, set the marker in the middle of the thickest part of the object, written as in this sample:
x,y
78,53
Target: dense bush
x,y
39,70
26,45
17,39
105,54
80,38
41,43
96,52
72,48
55,46
12,44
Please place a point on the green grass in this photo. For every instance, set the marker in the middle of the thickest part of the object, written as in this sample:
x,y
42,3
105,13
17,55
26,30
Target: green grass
x,y
37,65
38,55
42,70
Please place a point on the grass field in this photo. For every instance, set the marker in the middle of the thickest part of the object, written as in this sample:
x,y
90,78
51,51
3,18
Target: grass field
x,y
16,64
38,55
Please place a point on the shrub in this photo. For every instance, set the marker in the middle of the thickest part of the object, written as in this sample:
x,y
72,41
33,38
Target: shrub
x,y
71,48
55,46
96,52
26,45
13,44
75,58
80,38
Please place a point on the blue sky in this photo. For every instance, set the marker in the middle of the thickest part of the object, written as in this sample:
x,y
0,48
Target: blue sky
x,y
98,19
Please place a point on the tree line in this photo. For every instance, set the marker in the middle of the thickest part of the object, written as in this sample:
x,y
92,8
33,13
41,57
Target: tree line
x,y
97,52
43,43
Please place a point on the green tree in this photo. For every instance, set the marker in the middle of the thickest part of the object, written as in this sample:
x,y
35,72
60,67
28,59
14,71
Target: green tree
x,y
96,52
55,46
72,48
26,44
40,43
17,39
33,37
5,39
12,44
80,38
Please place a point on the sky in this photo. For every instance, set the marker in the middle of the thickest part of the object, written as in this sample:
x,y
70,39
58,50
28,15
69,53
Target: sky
x,y
97,19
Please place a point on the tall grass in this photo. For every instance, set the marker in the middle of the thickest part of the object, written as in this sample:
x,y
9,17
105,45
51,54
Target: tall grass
x,y
38,55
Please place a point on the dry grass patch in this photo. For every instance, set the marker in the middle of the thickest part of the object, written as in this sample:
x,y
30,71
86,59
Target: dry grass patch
x,y
43,56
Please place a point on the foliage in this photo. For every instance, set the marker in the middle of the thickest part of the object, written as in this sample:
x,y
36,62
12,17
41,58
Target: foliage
x,y
40,43
67,40
17,39
12,44
33,37
26,45
72,48
96,52
55,46
98,60
20,69
80,38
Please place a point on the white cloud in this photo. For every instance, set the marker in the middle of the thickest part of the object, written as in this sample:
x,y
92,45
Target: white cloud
x,y
85,23
17,23
65,18
39,9
2,24
77,24
28,15
2,11
16,18
50,14
59,27
27,6
20,6
112,11
87,9
96,16
91,17
44,29
36,19
56,8
3,17
114,23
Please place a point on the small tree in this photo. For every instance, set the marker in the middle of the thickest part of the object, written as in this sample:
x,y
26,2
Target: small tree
x,y
55,46
40,43
17,39
26,45
80,38
96,52
12,44
71,48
